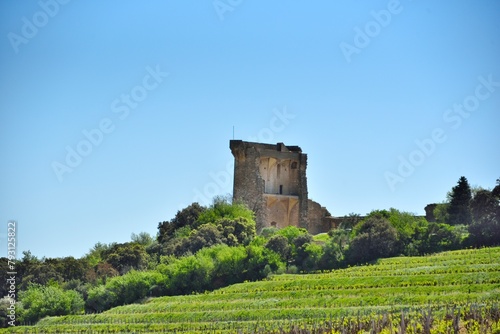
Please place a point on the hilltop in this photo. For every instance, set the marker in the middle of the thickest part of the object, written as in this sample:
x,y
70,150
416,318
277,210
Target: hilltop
x,y
451,289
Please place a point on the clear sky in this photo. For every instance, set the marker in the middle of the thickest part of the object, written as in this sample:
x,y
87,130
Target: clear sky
x,y
116,114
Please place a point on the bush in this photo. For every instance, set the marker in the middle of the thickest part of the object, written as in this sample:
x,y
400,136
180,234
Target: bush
x,y
279,244
440,237
268,232
257,259
125,289
41,301
375,238
100,299
189,274
221,208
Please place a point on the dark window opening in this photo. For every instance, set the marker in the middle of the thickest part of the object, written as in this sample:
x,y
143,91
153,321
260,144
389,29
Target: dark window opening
x,y
281,189
273,224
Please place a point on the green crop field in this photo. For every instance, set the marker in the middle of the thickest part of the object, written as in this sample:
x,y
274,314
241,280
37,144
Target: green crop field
x,y
456,291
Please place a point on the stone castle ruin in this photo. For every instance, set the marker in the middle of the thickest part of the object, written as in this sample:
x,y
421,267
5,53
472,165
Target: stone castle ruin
x,y
271,180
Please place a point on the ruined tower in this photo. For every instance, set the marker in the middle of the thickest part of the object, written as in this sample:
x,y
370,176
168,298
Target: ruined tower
x,y
271,180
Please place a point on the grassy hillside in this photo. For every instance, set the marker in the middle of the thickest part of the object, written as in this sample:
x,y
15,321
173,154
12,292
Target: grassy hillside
x,y
458,289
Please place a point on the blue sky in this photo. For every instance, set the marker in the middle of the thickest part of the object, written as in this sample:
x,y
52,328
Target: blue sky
x,y
392,101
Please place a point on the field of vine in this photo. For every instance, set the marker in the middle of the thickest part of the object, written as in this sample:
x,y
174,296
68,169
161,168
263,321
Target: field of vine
x,y
451,292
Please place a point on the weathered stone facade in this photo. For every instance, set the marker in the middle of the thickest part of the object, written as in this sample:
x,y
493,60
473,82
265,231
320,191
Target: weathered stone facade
x,y
429,212
319,218
271,180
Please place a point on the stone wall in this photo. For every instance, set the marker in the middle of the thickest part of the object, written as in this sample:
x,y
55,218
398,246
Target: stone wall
x,y
429,212
271,180
317,218
248,185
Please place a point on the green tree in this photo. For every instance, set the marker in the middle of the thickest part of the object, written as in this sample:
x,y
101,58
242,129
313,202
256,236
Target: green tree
x,y
229,264
375,238
189,274
314,253
134,285
40,273
268,232
333,254
239,229
410,229
101,273
68,267
101,299
340,237
279,244
496,190
484,206
441,212
260,262
459,208
440,237
143,238
94,256
485,209
292,232
187,217
299,250
334,250
349,221
206,235
126,256
5,303
125,289
232,232
195,227
51,300
221,208
79,286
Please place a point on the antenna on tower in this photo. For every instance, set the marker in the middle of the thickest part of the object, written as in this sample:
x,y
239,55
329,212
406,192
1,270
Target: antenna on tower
x,y
233,132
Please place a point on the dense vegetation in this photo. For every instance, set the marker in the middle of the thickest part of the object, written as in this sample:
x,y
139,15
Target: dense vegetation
x,y
207,248
432,294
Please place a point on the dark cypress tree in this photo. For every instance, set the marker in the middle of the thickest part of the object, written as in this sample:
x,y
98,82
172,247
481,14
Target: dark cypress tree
x,y
459,208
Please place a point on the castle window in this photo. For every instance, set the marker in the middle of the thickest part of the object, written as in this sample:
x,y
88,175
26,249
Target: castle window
x,y
294,165
281,189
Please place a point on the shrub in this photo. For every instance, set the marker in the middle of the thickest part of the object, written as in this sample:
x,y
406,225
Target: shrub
x,y
51,300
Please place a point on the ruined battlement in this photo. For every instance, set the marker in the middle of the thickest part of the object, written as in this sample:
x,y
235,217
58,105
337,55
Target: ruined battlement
x,y
271,180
